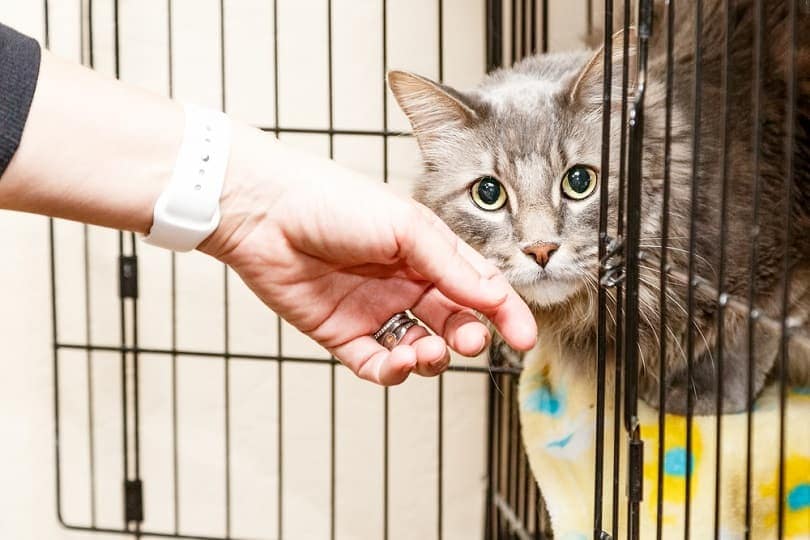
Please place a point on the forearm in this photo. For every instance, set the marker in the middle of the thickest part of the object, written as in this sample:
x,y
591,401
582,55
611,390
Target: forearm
x,y
93,150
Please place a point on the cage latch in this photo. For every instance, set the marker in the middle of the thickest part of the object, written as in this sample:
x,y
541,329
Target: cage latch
x,y
613,263
133,500
128,276
635,491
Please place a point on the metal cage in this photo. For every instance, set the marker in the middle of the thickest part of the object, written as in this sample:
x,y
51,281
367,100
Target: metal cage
x,y
513,506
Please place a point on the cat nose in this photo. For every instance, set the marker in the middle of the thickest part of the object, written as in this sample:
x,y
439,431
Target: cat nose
x,y
542,251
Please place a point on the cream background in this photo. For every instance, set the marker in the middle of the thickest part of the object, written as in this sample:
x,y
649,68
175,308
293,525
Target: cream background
x,y
27,474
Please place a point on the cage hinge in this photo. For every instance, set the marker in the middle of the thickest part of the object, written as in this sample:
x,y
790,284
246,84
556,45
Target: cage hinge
x,y
602,535
635,484
128,276
133,500
612,263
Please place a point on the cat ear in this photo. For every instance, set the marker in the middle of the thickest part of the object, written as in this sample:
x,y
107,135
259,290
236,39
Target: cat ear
x,y
430,106
588,86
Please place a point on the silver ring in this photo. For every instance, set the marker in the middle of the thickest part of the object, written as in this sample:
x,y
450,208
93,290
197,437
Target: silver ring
x,y
391,323
393,331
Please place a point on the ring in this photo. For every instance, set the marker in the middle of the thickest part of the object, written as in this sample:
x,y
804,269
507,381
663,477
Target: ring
x,y
390,323
391,333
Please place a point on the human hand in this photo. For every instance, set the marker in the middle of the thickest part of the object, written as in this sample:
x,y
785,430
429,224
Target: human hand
x,y
336,255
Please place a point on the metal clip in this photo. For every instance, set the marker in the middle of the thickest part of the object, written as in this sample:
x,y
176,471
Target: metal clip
x,y
133,501
635,484
128,276
613,263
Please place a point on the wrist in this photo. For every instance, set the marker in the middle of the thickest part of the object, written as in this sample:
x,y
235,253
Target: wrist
x,y
248,181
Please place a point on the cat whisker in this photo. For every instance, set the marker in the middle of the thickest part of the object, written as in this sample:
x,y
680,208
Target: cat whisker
x,y
641,354
593,287
683,309
681,250
647,238
676,278
644,314
646,317
494,381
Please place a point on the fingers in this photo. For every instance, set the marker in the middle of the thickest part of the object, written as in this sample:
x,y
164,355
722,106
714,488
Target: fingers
x,y
418,352
514,321
428,249
432,356
371,361
460,327
464,277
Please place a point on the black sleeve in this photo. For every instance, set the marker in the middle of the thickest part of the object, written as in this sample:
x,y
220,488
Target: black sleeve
x,y
19,69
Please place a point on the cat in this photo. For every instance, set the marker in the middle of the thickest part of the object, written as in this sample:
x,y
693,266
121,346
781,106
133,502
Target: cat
x,y
513,167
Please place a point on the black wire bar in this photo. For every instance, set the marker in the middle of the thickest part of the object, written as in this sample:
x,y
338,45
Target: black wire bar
x,y
664,281
790,150
602,296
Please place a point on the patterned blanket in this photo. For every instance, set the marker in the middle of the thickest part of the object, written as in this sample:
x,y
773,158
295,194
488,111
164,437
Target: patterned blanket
x,y
557,411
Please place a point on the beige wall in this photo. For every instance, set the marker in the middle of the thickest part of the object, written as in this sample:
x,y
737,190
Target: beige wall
x,y
27,475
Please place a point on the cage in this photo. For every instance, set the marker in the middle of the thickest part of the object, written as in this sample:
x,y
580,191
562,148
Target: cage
x,y
212,433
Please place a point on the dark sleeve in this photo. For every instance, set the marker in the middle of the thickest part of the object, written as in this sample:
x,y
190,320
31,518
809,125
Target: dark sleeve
x,y
19,69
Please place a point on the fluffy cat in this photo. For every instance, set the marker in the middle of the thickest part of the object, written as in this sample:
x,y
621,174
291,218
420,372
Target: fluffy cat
x,y
512,166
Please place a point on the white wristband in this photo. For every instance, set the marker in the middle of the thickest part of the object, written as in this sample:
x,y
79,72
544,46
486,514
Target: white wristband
x,y
187,211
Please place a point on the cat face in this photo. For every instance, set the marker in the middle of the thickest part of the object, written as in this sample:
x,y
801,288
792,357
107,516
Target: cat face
x,y
514,168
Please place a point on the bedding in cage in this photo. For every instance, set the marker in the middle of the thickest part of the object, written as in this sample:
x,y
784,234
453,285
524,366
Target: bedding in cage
x,y
558,418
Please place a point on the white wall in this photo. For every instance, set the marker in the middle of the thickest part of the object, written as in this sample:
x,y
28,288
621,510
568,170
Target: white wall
x,y
27,472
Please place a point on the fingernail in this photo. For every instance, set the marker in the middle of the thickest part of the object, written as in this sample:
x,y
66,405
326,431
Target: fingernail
x,y
441,363
483,346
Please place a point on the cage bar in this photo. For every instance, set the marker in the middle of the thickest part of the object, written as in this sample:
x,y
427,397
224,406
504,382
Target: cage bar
x,y
603,240
784,335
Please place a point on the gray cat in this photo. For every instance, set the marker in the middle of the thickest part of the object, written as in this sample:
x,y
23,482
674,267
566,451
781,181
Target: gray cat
x,y
513,168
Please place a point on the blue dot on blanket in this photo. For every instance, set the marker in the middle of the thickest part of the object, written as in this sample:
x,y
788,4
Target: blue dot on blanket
x,y
560,443
544,401
798,498
675,462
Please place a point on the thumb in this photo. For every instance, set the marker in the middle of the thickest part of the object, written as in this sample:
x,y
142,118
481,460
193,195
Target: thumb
x,y
430,248
464,276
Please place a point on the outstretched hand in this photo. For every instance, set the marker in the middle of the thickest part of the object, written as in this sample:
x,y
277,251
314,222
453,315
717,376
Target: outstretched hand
x,y
336,255
333,253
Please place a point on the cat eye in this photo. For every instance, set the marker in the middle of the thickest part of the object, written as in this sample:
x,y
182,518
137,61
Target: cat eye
x,y
488,193
579,182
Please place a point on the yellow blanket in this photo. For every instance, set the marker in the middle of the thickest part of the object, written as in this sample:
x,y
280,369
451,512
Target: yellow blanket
x,y
558,420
